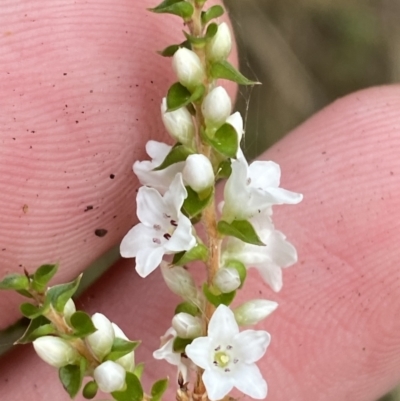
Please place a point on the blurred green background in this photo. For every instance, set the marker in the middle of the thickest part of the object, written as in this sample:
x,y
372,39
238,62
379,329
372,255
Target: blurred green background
x,y
306,53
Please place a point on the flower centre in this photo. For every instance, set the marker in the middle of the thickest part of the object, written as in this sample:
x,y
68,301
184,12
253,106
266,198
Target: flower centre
x,y
222,359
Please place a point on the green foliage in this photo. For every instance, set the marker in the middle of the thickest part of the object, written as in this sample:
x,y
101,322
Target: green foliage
x,y
138,371
180,344
121,348
71,377
180,8
240,268
158,389
187,307
60,294
90,390
211,31
225,70
241,229
82,323
179,96
198,252
218,299
225,141
172,49
42,276
14,282
133,390
193,204
31,311
38,327
178,153
211,13
224,169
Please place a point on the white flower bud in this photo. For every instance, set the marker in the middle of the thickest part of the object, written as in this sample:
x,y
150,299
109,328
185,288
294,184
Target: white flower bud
x,y
69,310
187,326
178,123
227,279
236,121
109,376
253,312
127,361
179,281
55,351
188,68
220,45
198,172
216,107
101,341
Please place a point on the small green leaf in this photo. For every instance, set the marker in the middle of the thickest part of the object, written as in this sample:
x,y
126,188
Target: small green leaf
x,y
178,96
158,389
211,13
14,282
216,300
171,50
82,323
71,379
177,154
198,252
120,348
195,41
225,70
31,311
180,344
25,293
211,31
180,8
193,205
224,169
225,141
133,391
241,229
38,327
60,294
187,307
138,371
42,276
90,390
240,268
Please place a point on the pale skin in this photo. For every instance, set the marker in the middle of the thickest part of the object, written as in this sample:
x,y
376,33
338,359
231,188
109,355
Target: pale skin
x,y
335,333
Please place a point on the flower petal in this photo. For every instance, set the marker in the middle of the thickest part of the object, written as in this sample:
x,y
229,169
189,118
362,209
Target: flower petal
x,y
199,351
217,385
157,151
148,259
264,174
280,196
222,326
166,352
182,239
282,252
252,344
175,195
271,274
248,379
150,207
135,239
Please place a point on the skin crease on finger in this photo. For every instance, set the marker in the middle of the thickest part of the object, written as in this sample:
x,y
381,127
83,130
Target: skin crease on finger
x,y
79,99
335,333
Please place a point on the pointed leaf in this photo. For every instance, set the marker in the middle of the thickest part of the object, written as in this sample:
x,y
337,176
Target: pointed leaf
x,y
42,276
178,96
180,344
158,389
25,293
71,379
177,154
225,70
211,31
225,141
216,300
180,8
60,294
171,50
187,307
37,328
121,348
195,41
82,323
133,391
241,229
211,13
193,205
14,282
198,252
31,311
90,390
138,370
224,169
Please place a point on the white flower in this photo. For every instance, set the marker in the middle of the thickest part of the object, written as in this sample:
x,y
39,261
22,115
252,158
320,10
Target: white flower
x,y
55,351
101,341
227,279
221,44
69,310
216,107
166,352
228,357
188,68
198,172
252,189
109,376
163,228
186,325
254,311
160,179
179,281
269,259
178,123
127,361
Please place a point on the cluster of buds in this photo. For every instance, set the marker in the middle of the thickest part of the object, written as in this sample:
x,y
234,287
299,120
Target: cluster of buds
x,y
179,191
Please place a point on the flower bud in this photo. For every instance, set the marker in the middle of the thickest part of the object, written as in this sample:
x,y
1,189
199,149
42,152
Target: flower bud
x,y
236,121
220,45
101,341
187,326
55,351
188,68
227,279
109,376
216,107
179,281
198,172
127,361
252,312
69,310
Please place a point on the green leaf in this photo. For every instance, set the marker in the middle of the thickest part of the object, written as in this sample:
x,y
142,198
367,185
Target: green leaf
x,y
216,300
25,293
14,282
178,96
120,348
31,311
90,390
193,205
133,391
211,13
225,141
177,154
71,379
240,268
138,371
187,307
42,276
171,50
224,169
158,389
180,8
82,323
198,252
211,31
180,344
225,70
60,294
241,229
195,41
38,327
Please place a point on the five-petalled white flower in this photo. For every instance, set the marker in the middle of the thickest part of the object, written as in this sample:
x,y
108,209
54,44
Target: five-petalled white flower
x,y
163,228
228,357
